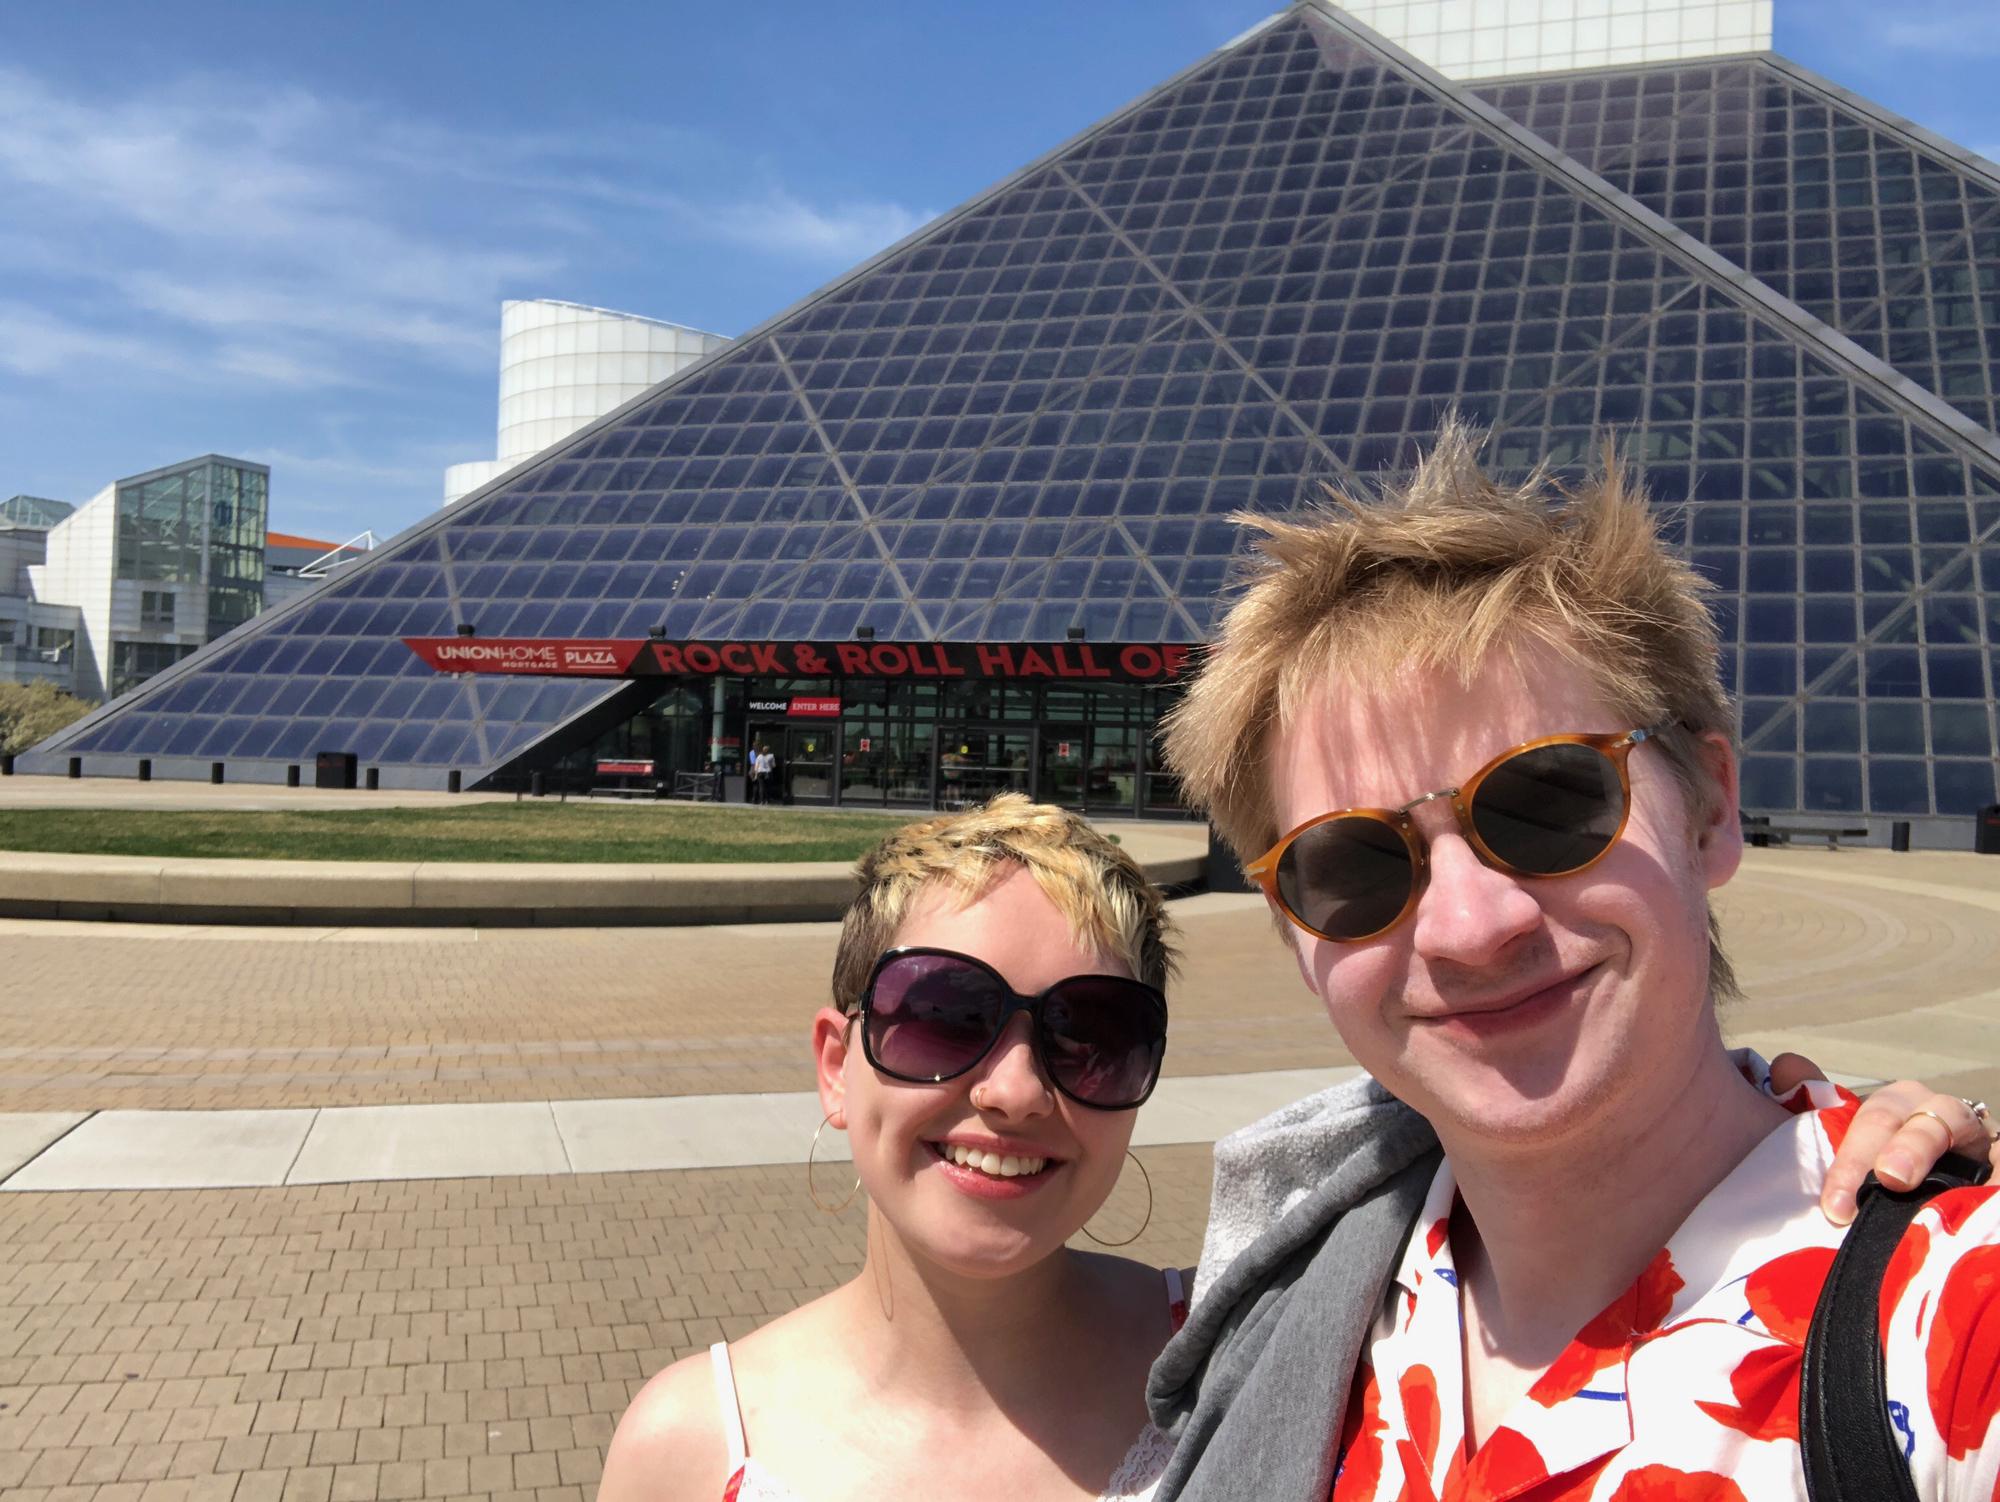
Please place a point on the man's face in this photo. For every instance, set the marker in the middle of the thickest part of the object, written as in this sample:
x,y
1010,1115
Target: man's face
x,y
1518,1010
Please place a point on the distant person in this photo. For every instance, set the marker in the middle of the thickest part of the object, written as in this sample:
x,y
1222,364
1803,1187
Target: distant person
x,y
761,765
997,1017
1471,742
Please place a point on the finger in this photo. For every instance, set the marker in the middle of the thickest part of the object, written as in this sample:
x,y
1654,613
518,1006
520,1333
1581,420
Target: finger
x,y
1791,1070
1917,1145
1868,1136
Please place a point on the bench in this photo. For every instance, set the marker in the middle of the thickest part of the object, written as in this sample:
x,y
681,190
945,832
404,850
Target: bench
x,y
1760,832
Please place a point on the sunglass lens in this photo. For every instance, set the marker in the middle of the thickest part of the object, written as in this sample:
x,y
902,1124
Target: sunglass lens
x,y
1550,810
1104,1039
931,1016
1347,878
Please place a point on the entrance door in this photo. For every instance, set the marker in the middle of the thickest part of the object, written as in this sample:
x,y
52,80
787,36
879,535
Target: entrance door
x,y
976,761
805,765
1059,765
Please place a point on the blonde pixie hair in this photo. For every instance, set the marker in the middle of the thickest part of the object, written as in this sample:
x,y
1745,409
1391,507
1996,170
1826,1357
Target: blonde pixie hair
x,y
1111,906
1438,573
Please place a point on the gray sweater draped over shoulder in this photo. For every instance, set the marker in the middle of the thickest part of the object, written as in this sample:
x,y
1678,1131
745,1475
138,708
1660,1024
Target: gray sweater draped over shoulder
x,y
1310,1211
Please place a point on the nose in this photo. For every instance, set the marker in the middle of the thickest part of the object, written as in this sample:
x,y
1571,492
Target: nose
x,y
1009,1081
1469,912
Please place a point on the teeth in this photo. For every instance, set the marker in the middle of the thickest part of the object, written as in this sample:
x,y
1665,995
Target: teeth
x,y
1007,1167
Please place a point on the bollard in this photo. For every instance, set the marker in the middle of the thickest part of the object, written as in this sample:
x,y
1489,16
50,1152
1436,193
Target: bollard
x,y
1899,835
215,773
145,769
536,785
75,767
292,775
374,779
453,782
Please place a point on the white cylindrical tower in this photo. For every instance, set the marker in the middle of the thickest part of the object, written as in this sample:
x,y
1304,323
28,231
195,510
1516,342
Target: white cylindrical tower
x,y
1493,38
562,365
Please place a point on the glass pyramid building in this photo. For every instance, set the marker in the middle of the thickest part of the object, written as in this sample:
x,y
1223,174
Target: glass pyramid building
x,y
1029,422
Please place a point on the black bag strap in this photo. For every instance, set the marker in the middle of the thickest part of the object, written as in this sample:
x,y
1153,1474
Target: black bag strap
x,y
1851,1452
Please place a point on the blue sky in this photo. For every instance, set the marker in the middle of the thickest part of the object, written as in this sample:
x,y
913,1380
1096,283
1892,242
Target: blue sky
x,y
283,231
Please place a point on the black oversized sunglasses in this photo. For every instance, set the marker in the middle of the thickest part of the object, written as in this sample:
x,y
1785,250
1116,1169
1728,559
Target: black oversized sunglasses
x,y
929,1015
1552,807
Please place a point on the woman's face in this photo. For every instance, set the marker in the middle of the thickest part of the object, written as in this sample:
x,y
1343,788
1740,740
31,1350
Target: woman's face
x,y
906,1138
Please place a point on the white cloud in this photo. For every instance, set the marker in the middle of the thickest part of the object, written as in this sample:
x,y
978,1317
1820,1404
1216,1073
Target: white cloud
x,y
842,232
278,238
1969,33
39,344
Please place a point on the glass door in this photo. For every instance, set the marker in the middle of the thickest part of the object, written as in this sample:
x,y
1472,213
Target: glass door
x,y
976,761
1112,783
806,771
1059,765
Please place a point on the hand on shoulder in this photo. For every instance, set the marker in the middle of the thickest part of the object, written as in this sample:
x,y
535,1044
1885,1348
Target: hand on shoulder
x,y
669,1446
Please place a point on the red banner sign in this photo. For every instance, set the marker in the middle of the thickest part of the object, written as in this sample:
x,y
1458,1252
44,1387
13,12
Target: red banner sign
x,y
1135,662
502,654
814,709
624,769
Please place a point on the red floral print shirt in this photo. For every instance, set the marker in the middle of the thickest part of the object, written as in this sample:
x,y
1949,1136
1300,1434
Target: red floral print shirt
x,y
1686,1387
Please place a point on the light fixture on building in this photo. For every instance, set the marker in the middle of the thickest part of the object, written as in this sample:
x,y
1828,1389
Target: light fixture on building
x,y
864,633
658,633
1076,633
466,628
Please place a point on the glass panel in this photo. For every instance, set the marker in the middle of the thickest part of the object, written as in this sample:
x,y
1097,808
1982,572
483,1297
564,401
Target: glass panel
x,y
975,762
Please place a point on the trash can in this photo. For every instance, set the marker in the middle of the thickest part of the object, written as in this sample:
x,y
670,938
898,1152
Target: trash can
x,y
334,769
1986,830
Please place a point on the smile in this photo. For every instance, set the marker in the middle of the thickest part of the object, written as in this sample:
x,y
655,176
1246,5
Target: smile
x,y
994,1165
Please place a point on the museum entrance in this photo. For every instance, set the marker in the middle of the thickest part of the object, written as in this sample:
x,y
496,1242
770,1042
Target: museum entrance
x,y
805,759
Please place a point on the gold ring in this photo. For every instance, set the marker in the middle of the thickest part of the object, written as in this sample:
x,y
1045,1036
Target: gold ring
x,y
1950,1131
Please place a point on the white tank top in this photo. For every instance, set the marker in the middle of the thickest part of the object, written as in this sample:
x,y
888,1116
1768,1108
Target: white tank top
x,y
1135,1480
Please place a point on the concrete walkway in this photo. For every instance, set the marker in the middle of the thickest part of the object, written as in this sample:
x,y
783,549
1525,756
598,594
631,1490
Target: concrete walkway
x,y
73,1150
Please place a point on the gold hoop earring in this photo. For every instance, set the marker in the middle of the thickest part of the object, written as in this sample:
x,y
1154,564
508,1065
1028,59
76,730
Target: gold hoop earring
x,y
813,1194
1149,1208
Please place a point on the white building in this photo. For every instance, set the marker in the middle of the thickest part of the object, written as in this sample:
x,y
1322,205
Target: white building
x,y
563,365
1493,38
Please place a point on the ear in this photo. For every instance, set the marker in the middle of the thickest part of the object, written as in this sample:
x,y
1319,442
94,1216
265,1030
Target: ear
x,y
832,1033
1719,837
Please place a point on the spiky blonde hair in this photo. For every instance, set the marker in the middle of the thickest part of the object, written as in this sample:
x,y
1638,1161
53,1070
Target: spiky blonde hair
x,y
1439,573
1111,905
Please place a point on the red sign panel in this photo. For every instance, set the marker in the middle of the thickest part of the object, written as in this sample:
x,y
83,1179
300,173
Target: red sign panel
x,y
1133,662
624,769
503,654
814,709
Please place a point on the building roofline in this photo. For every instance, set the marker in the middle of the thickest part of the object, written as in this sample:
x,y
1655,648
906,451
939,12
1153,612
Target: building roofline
x,y
584,307
1918,403
167,469
1651,65
1915,135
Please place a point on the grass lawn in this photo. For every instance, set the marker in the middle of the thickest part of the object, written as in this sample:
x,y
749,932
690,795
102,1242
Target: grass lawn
x,y
637,832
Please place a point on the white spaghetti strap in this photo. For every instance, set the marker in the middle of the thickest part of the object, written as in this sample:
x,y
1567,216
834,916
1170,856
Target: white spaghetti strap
x,y
725,1399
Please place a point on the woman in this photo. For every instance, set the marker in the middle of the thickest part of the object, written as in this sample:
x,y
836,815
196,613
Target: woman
x,y
998,1017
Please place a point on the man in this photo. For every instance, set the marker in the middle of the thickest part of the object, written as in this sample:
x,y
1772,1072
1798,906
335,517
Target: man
x,y
1472,744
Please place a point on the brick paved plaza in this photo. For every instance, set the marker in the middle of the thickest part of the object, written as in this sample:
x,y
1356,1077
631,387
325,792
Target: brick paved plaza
x,y
478,1337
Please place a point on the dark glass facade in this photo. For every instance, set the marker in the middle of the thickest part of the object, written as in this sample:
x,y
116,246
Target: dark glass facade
x,y
1283,267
